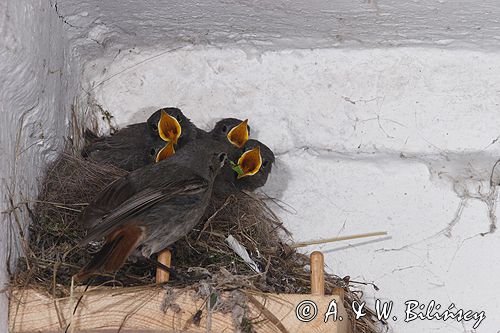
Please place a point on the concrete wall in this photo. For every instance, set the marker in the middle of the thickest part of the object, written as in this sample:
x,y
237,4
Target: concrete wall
x,y
99,26
37,86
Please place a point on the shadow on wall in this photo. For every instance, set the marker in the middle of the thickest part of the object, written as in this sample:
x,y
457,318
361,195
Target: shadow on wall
x,y
277,182
143,114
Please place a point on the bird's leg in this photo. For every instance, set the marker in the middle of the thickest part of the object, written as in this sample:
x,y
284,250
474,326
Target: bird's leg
x,y
170,271
164,271
173,273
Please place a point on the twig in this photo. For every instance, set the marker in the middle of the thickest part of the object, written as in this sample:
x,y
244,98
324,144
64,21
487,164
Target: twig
x,y
337,239
207,222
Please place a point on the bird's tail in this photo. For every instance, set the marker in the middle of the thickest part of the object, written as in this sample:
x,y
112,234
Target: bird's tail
x,y
115,251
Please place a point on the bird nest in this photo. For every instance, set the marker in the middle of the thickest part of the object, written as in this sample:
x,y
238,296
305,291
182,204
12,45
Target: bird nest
x,y
52,256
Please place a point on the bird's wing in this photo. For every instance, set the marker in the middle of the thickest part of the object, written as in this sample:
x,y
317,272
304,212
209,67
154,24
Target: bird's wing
x,y
130,136
141,201
107,200
123,189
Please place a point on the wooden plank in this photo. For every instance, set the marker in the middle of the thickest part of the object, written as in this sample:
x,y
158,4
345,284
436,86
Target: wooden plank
x,y
139,310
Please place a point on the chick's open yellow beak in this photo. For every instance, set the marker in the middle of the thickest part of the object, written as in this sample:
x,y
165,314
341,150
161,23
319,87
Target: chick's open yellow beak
x,y
165,152
250,162
238,135
169,128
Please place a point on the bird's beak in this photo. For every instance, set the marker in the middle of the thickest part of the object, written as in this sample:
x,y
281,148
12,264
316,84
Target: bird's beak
x,y
250,162
165,152
169,128
238,135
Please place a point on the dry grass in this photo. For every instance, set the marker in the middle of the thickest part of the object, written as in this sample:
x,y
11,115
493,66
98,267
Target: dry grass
x,y
72,182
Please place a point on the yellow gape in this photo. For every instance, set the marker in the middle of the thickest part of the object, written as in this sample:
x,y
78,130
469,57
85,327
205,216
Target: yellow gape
x,y
238,135
169,128
165,152
249,163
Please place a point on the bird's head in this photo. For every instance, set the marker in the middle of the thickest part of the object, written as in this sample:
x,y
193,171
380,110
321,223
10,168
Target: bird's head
x,y
252,174
166,123
249,163
169,128
233,130
219,159
153,120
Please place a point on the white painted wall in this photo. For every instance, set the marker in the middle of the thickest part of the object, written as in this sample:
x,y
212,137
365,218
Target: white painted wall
x,y
383,114
36,89
400,140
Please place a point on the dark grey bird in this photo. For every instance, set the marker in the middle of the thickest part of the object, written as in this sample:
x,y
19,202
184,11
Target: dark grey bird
x,y
152,207
231,130
139,144
251,167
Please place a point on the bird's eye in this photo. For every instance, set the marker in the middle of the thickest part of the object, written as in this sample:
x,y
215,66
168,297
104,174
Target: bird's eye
x,y
152,152
222,157
265,163
224,129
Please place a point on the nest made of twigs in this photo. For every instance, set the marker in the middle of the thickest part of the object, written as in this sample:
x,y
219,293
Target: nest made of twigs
x,y
71,182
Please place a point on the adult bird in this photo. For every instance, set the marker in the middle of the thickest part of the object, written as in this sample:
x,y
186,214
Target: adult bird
x,y
140,144
152,207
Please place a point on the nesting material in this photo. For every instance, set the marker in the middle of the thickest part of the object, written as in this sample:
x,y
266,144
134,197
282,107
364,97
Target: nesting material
x,y
72,182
